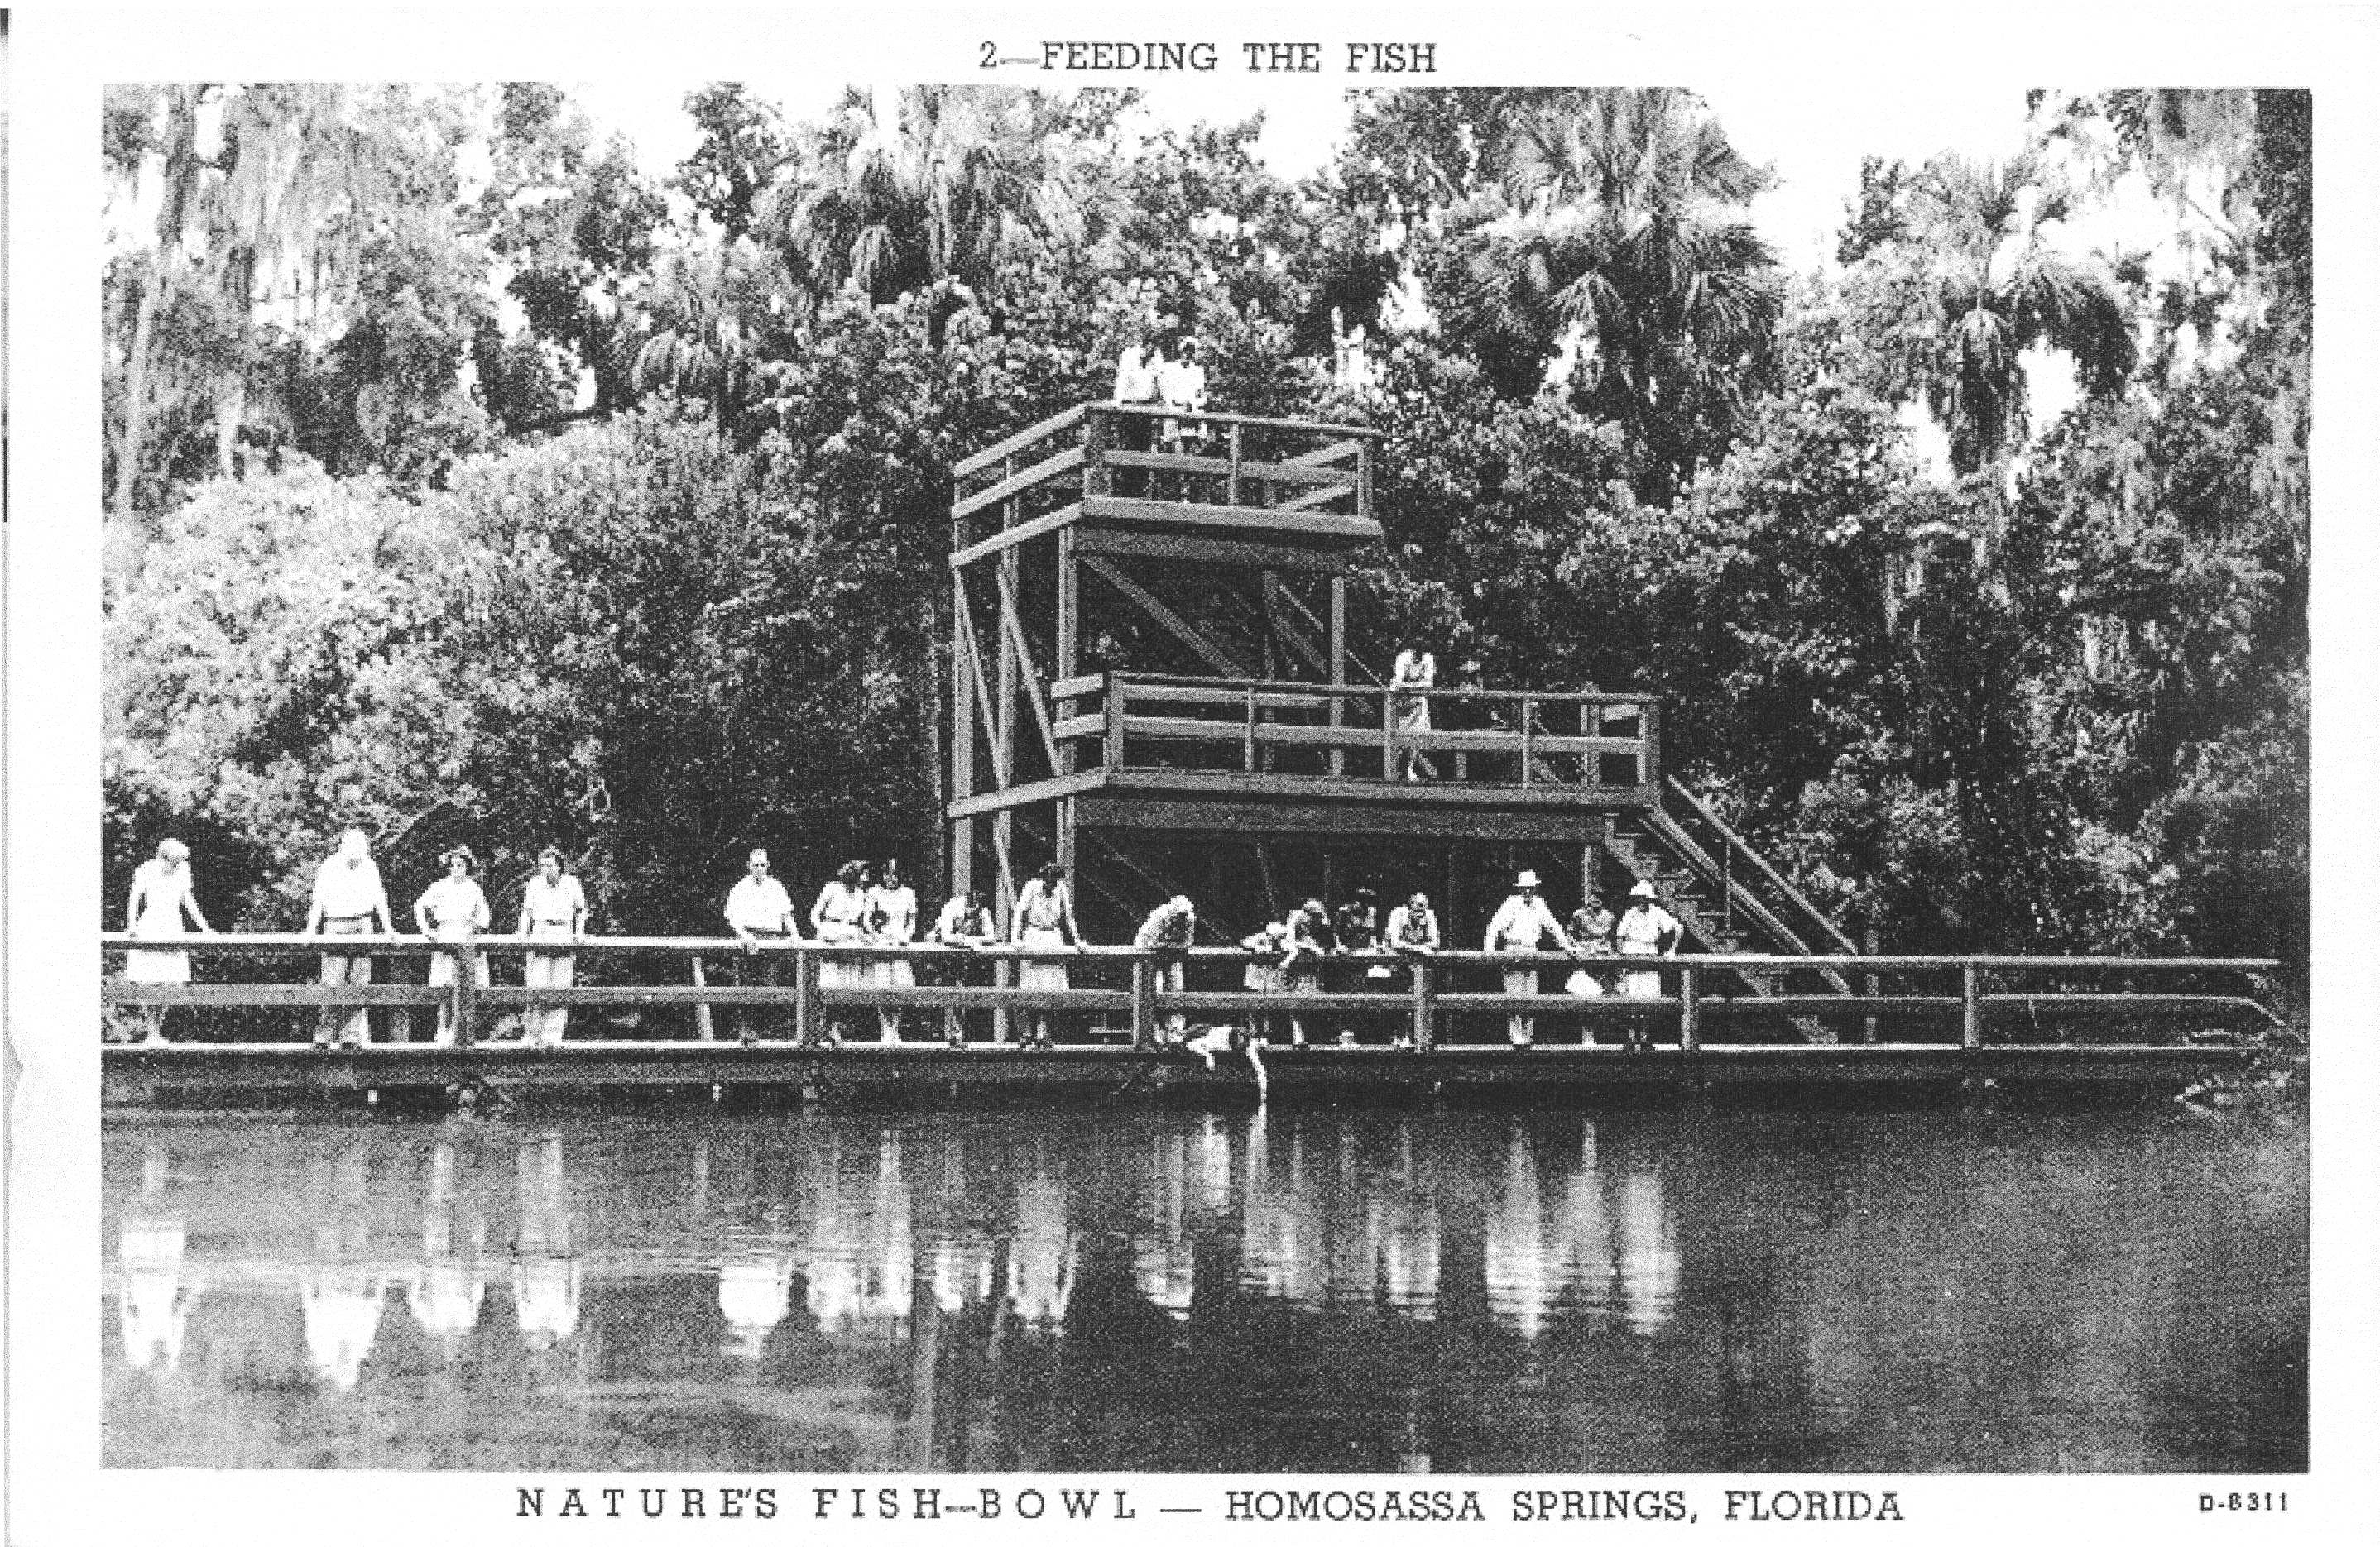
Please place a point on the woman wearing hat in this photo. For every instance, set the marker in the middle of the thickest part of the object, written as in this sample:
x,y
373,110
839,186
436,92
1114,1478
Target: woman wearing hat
x,y
1523,923
1645,929
452,909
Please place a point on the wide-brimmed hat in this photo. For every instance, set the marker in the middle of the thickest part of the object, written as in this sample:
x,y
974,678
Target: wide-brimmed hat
x,y
1525,878
1643,888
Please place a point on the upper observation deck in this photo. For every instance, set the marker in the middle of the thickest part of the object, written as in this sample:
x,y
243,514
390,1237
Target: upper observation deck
x,y
1133,482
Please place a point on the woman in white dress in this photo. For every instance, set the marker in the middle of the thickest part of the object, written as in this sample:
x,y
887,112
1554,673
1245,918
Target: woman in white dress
x,y
1044,920
553,907
454,909
1410,678
840,917
891,921
160,900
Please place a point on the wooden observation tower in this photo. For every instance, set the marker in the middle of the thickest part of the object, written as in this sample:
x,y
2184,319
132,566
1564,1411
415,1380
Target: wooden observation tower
x,y
1152,685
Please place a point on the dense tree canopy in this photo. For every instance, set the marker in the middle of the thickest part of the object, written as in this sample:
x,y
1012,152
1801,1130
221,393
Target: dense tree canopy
x,y
467,484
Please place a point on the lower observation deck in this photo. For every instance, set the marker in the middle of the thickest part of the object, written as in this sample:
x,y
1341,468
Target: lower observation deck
x,y
1429,1025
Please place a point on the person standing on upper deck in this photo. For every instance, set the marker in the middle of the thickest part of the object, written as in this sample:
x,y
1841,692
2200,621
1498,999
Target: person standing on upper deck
x,y
1182,384
1410,680
454,909
758,909
160,897
1523,923
348,899
1136,385
553,907
1169,930
1044,920
891,921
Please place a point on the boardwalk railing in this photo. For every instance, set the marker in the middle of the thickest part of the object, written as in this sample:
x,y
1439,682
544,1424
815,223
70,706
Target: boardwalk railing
x,y
2014,997
1475,737
1122,453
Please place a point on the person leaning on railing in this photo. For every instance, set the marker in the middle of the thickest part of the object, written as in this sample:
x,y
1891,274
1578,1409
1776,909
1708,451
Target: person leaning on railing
x,y
1412,934
1590,935
1168,932
1311,939
839,916
1645,929
1410,680
161,896
966,924
1523,923
1267,949
1044,921
348,899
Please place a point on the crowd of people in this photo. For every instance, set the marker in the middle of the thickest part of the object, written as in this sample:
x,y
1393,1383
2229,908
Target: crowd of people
x,y
1315,949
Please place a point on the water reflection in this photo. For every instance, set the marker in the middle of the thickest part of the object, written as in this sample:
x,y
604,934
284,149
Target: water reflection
x,y
1268,1290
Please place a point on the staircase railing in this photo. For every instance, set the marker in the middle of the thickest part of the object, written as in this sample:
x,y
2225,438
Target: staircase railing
x,y
1783,895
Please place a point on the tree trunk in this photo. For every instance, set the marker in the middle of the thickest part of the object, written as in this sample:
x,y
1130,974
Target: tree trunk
x,y
925,630
136,373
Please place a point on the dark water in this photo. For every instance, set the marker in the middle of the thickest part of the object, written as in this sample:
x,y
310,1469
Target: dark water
x,y
1144,1290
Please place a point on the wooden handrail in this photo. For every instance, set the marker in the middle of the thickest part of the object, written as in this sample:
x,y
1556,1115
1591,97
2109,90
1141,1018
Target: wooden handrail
x,y
1062,421
1736,844
1308,427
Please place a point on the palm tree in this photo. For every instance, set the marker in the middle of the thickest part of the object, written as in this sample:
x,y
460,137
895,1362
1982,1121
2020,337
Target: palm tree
x,y
1616,232
1977,286
900,188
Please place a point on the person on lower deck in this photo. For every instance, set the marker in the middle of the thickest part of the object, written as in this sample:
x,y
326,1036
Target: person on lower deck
x,y
1590,935
757,909
1412,932
1266,948
553,907
964,923
1357,926
348,899
1310,940
160,898
1523,923
1044,920
1168,931
1645,929
891,921
455,909
839,917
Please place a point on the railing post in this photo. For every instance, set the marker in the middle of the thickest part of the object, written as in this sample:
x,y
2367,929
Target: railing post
x,y
1248,734
1648,754
1971,1009
809,1011
1116,703
1689,1009
467,992
1424,1005
1003,975
1231,491
1529,733
1144,1004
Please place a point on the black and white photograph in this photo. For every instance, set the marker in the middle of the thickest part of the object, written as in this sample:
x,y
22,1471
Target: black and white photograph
x,y
1184,782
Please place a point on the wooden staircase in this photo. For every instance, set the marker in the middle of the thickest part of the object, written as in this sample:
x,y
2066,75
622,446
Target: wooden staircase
x,y
1729,899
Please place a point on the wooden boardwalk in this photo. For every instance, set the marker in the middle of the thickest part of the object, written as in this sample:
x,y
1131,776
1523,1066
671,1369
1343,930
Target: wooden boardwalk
x,y
1953,1022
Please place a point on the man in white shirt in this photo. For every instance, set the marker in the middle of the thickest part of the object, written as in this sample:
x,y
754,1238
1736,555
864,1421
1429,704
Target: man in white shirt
x,y
1136,383
1523,923
1169,930
348,899
758,909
